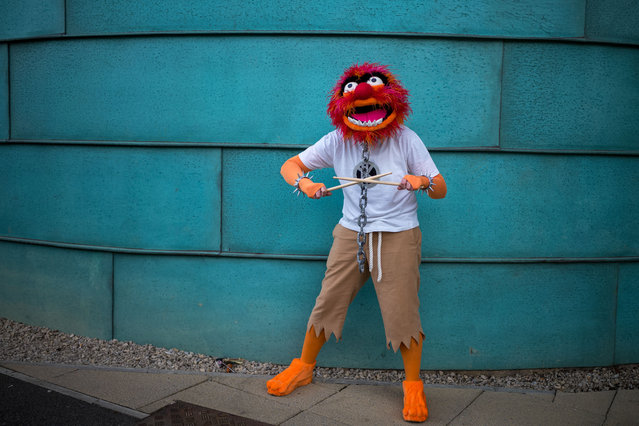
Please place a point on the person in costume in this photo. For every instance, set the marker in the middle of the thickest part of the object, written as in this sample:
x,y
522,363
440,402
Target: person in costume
x,y
378,235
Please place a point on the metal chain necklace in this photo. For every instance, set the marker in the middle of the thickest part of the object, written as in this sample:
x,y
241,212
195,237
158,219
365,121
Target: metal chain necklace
x,y
363,201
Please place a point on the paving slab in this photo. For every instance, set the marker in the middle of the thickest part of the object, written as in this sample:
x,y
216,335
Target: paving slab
x,y
27,404
511,408
444,404
42,372
129,389
301,398
624,409
372,404
306,418
212,394
590,402
364,404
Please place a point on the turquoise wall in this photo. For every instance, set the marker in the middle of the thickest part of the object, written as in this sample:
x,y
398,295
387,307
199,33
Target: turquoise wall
x,y
140,196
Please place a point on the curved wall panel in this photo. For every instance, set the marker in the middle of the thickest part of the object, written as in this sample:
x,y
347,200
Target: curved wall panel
x,y
498,206
627,332
241,89
68,290
565,96
573,307
109,196
31,18
613,21
526,18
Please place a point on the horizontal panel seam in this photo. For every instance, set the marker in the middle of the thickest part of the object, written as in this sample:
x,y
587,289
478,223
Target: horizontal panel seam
x,y
275,256
232,145
308,33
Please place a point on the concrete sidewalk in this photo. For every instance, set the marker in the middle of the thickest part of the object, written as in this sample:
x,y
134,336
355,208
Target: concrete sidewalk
x,y
138,393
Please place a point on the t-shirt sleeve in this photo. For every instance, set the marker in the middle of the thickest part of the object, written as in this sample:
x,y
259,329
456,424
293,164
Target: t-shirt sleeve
x,y
420,162
320,154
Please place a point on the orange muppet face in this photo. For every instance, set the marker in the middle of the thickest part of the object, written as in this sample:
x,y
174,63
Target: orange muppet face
x,y
368,104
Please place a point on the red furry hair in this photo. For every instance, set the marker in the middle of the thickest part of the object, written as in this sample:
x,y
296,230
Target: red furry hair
x,y
392,96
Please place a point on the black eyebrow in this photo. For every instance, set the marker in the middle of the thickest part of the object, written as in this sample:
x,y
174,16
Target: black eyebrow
x,y
363,78
349,80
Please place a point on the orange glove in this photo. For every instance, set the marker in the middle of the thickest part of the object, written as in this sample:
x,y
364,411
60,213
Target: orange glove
x,y
435,191
293,171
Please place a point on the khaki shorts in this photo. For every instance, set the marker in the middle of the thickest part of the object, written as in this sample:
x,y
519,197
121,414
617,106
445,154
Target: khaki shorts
x,y
397,291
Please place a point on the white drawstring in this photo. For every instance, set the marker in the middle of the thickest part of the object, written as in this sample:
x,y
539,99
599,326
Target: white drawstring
x,y
379,254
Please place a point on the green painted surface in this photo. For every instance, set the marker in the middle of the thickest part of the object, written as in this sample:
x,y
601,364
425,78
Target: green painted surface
x,y
515,316
627,347
285,222
67,290
4,91
570,96
527,18
31,18
161,198
249,89
613,20
533,206
498,205
475,316
221,306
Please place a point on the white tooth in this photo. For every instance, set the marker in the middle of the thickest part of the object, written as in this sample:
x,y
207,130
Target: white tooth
x,y
356,122
365,123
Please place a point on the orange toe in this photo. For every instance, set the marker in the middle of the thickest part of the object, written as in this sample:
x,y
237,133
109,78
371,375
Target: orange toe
x,y
415,409
296,375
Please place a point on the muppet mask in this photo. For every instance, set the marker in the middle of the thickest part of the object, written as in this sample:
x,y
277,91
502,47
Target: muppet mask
x,y
368,104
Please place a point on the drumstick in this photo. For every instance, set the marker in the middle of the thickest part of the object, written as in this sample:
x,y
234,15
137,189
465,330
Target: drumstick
x,y
356,182
369,180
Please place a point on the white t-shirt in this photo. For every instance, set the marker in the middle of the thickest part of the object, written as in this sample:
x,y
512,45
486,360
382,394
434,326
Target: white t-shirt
x,y
387,208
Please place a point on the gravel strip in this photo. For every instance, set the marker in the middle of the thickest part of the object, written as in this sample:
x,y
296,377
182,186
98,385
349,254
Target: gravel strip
x,y
23,343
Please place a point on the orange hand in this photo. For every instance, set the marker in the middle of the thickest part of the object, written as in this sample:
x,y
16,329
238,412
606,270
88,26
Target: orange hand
x,y
413,183
292,169
312,189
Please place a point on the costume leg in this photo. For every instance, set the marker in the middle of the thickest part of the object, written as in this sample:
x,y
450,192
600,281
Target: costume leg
x,y
312,345
397,290
412,357
397,293
415,408
341,283
297,374
300,372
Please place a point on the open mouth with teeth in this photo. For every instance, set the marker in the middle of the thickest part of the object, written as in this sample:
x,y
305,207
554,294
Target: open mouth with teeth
x,y
371,116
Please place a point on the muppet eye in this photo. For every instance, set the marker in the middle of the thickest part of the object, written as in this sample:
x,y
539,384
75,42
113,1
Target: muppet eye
x,y
375,81
350,87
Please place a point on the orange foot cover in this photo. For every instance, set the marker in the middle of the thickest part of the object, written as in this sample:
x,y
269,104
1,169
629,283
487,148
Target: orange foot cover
x,y
415,409
297,374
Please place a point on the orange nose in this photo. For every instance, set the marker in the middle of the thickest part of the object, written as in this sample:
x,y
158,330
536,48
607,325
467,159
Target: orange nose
x,y
363,91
